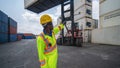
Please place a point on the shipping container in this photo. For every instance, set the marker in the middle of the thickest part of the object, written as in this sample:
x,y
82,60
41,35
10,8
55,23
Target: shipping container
x,y
36,6
12,37
41,5
109,6
87,36
84,11
3,27
109,16
108,35
27,34
85,23
12,22
80,3
3,17
19,37
29,37
12,30
3,37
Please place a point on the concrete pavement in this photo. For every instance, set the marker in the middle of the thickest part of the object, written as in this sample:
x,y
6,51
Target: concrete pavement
x,y
23,54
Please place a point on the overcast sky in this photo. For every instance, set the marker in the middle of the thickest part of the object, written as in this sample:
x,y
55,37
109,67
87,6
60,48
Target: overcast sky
x,y
28,22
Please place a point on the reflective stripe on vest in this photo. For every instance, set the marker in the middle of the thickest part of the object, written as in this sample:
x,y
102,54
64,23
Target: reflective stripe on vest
x,y
50,49
42,62
45,40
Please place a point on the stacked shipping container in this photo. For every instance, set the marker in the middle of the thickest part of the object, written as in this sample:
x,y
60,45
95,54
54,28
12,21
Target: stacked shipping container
x,y
82,16
28,36
8,30
3,27
12,26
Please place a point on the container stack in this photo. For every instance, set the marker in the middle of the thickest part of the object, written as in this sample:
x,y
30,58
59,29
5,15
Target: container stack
x,y
83,15
3,27
28,36
12,26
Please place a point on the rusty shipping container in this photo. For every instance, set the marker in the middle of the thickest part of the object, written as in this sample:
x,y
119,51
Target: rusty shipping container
x,y
28,36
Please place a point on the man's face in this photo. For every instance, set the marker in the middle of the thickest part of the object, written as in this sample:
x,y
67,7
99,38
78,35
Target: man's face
x,y
50,26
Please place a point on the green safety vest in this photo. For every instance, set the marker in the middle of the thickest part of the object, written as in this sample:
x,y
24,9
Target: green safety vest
x,y
48,54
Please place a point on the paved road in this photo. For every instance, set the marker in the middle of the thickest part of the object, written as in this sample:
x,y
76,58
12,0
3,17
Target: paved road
x,y
23,54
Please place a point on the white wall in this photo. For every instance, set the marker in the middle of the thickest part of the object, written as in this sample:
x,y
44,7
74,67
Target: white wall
x,y
108,6
110,19
108,35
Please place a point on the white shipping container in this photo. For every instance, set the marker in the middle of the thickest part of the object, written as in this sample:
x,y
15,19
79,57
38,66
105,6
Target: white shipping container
x,y
110,19
79,3
85,23
108,35
87,36
108,6
85,11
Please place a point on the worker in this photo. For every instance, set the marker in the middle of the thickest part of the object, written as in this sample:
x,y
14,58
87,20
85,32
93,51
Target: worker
x,y
46,43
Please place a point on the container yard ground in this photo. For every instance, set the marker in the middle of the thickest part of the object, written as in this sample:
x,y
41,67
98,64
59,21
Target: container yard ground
x,y
23,54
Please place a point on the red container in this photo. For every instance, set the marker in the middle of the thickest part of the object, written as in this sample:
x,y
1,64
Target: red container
x,y
28,34
12,30
19,37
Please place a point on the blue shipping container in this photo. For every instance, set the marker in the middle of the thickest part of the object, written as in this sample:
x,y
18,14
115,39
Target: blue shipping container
x,y
28,37
12,22
0,15
3,27
3,17
3,37
12,37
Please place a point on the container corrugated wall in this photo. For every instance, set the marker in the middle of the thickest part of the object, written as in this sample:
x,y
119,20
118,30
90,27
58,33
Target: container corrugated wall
x,y
3,27
13,37
3,37
12,26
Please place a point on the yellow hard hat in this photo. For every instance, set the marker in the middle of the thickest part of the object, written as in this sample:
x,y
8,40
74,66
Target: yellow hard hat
x,y
45,19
